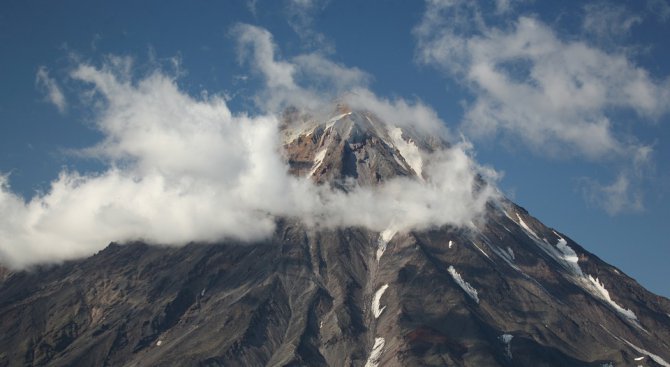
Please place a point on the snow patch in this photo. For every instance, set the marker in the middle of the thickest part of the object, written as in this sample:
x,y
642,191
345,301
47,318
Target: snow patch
x,y
376,300
525,226
507,256
511,253
568,253
463,284
335,119
562,253
504,211
397,160
507,340
482,251
599,290
639,358
568,256
451,243
299,128
158,343
654,357
387,235
376,354
318,159
408,150
383,240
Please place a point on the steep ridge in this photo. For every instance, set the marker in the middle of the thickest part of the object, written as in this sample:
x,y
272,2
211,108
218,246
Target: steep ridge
x,y
504,291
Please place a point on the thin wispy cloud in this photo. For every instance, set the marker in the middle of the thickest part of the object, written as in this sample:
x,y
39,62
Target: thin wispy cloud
x,y
301,18
660,9
615,197
609,20
49,87
252,5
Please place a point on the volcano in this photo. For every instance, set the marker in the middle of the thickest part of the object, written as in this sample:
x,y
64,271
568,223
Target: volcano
x,y
505,290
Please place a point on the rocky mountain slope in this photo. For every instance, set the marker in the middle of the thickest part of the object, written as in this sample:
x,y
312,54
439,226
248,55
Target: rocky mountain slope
x,y
506,291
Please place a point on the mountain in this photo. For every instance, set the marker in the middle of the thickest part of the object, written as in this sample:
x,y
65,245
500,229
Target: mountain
x,y
505,291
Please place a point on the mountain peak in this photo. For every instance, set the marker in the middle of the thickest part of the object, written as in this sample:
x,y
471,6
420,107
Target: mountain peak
x,y
350,145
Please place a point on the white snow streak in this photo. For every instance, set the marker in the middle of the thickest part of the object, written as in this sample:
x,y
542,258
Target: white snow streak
x,y
569,259
335,119
397,160
388,234
567,256
568,253
376,299
480,250
451,243
599,290
507,340
318,159
511,253
562,253
507,256
639,358
384,239
463,284
656,358
525,226
376,354
409,151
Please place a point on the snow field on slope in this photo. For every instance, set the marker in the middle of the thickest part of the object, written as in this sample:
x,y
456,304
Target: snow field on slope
x,y
472,292
376,353
376,310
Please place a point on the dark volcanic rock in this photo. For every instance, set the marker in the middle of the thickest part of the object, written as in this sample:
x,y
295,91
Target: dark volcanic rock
x,y
305,298
508,291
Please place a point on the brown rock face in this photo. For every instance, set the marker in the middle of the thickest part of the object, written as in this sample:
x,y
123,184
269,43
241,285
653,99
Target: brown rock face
x,y
506,292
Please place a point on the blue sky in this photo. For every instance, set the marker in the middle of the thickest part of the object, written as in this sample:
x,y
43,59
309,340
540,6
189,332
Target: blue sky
x,y
569,100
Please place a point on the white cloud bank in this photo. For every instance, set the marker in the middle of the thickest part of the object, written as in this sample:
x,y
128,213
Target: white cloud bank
x,y
557,96
187,169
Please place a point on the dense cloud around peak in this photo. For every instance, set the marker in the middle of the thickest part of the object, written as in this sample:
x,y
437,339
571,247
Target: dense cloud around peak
x,y
184,169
